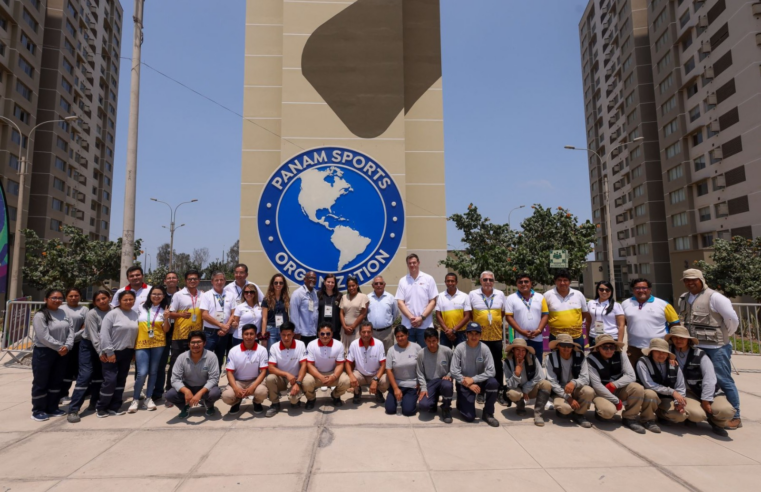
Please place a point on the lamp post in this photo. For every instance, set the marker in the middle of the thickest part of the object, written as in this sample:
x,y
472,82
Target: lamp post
x,y
606,199
15,289
172,228
509,223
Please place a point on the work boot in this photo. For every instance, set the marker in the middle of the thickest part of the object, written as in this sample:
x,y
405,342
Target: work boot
x,y
481,398
379,398
357,398
501,399
581,420
446,416
651,426
489,419
633,425
309,405
734,424
719,431
73,418
690,424
520,407
541,399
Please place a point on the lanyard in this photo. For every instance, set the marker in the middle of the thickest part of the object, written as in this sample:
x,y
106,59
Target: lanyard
x,y
488,304
220,299
530,300
193,299
155,316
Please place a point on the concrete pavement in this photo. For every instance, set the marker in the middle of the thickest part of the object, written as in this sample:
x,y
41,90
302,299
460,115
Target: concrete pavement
x,y
361,449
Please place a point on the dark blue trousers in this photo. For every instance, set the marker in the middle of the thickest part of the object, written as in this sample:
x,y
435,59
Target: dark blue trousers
x,y
72,370
409,402
466,399
437,387
459,338
217,344
48,370
158,389
90,376
114,378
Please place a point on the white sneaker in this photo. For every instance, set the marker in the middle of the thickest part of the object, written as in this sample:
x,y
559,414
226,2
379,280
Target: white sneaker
x,y
133,406
149,405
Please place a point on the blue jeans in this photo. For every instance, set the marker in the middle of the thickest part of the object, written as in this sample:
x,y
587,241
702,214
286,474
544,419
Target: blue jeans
x,y
723,367
90,376
147,364
459,338
274,336
216,344
416,335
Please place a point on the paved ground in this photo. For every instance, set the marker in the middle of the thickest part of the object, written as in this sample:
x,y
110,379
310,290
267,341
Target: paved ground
x,y
362,449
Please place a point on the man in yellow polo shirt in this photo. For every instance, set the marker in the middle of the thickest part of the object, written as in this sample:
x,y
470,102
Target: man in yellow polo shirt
x,y
452,312
488,310
568,309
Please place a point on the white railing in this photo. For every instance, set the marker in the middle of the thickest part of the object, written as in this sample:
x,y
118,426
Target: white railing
x,y
747,339
18,335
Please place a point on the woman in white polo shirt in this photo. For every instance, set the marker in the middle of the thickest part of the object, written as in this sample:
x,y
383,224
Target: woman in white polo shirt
x,y
607,315
249,312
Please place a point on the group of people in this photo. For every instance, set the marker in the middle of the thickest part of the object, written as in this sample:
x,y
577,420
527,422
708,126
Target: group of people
x,y
276,342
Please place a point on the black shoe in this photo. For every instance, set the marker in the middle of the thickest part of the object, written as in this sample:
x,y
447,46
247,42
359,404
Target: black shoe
x,y
234,409
634,425
73,418
664,421
651,426
501,399
582,421
309,405
258,408
356,398
489,419
379,398
601,419
273,410
101,414
719,431
337,402
480,398
446,416
520,407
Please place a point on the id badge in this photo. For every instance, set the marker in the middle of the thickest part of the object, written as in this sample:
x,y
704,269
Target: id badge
x,y
220,315
150,333
328,310
490,318
278,320
599,327
530,316
194,318
311,305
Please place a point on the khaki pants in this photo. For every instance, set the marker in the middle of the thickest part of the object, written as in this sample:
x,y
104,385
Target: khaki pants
x,y
386,336
666,408
517,395
633,397
228,395
368,380
277,384
583,395
310,385
721,408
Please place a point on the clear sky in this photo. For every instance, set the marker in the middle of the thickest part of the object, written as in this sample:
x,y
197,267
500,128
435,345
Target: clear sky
x,y
512,100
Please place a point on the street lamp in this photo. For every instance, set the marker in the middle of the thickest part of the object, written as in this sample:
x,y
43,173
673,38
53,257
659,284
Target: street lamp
x,y
15,288
511,211
606,199
172,228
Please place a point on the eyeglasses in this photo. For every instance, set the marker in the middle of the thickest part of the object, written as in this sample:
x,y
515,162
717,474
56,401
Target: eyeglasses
x,y
249,292
521,282
197,342
608,346
278,283
326,334
603,290
379,283
192,279
487,280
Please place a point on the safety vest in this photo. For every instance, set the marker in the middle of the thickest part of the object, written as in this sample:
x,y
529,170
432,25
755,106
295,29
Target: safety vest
x,y
577,362
706,326
693,374
671,372
609,369
529,362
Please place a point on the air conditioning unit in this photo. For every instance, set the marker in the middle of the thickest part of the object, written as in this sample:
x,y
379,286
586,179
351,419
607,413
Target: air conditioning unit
x,y
720,181
758,38
703,21
714,126
93,8
722,209
708,73
80,215
705,47
711,99
757,9
717,153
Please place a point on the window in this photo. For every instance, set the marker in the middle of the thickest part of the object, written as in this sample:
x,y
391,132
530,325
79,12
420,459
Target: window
x,y
690,65
21,115
59,164
679,220
58,184
639,191
660,19
13,187
670,127
627,44
105,210
3,23
25,66
106,180
700,163
668,105
634,134
70,28
57,205
644,269
29,20
13,162
677,196
627,63
673,150
643,249
596,214
28,44
640,210
664,62
66,85
704,214
662,41
103,224
701,188
67,66
687,42
707,240
675,173
68,46
666,84
55,225
692,90
61,144
109,167
24,90
629,81
12,213
65,105
684,19
697,138
106,195
635,153
641,229
71,10
694,113
637,172
632,117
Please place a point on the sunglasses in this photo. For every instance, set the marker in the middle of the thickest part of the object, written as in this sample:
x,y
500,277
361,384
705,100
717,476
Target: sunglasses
x,y
192,279
196,343
278,283
603,290
565,345
487,280
379,283
608,346
56,298
328,334
249,292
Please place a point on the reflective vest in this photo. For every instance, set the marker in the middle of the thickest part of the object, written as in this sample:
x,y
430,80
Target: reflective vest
x,y
577,361
671,372
706,326
693,374
609,369
529,362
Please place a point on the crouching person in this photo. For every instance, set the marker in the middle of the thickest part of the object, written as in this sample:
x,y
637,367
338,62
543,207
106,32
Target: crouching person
x,y
612,377
325,367
288,368
434,376
473,369
567,373
705,401
525,379
247,365
655,373
195,377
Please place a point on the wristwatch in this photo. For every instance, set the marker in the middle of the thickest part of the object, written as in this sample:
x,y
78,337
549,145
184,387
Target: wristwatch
x,y
376,379
299,383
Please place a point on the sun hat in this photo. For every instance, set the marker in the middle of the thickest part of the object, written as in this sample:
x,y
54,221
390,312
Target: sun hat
x,y
564,338
519,342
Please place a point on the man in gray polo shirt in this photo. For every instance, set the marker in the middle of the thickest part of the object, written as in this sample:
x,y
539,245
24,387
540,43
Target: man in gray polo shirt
x,y
434,376
195,377
473,370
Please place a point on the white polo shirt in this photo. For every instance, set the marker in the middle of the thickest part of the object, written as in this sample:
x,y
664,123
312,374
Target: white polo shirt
x,y
141,295
647,320
325,357
603,323
247,364
249,315
288,359
453,307
366,359
236,292
219,306
528,314
416,292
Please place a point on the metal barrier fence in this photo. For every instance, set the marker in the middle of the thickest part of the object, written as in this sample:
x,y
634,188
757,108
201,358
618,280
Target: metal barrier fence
x,y
18,335
748,336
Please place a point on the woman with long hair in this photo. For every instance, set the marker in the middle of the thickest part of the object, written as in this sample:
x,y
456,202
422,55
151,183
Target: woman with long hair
x,y
53,340
149,347
353,310
607,315
118,334
76,314
249,312
277,303
329,300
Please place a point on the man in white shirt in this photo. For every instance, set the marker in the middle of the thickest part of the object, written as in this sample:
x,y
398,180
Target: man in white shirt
x,y
235,289
527,313
288,368
381,313
416,298
710,317
216,310
452,313
325,367
647,318
136,285
304,309
366,365
246,370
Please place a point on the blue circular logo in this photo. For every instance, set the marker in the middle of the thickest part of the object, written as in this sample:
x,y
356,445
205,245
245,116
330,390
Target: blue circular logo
x,y
331,210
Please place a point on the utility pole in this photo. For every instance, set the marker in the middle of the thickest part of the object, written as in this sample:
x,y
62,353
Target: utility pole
x,y
130,184
608,230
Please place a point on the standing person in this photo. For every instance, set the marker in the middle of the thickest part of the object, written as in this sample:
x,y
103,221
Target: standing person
x,y
216,310
287,369
353,311
568,309
647,317
710,318
656,373
568,374
234,290
381,313
275,309
149,347
195,377
401,364
118,334
527,313
247,313
525,379
488,312
434,376
246,369
53,339
171,284
136,285
329,300
90,375
366,365
453,312
325,367
607,314
473,370
76,314
305,309
185,310
416,297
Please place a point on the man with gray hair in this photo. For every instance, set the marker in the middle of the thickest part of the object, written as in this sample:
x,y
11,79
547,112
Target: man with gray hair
x,y
216,308
381,313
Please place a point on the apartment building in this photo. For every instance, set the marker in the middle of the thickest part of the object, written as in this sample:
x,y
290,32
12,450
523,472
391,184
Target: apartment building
x,y
622,128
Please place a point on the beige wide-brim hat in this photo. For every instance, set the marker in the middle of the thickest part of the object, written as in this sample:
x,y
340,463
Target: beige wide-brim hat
x,y
658,344
564,338
680,331
603,339
519,342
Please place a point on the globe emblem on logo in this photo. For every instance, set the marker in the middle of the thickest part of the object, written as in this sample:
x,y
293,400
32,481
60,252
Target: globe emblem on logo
x,y
331,210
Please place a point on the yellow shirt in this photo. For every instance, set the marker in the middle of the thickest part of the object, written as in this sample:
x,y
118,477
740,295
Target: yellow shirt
x,y
184,302
565,312
485,308
144,327
452,308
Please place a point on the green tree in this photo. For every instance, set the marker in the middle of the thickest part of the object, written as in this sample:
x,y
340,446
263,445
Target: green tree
x,y
233,254
735,268
163,255
218,266
157,275
78,261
